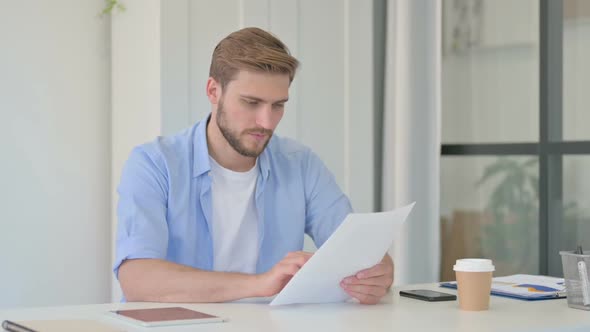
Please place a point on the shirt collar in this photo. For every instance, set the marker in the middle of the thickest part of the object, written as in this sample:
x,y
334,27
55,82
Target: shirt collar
x,y
264,162
201,152
200,149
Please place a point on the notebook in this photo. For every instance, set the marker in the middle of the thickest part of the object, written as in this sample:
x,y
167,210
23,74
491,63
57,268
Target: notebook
x,y
524,287
74,325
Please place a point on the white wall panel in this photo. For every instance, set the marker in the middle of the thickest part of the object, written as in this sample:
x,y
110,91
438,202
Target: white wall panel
x,y
322,82
175,57
254,13
284,23
360,104
209,22
136,90
55,160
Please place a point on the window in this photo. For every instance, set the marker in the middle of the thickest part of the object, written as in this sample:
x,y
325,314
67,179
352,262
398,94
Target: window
x,y
515,175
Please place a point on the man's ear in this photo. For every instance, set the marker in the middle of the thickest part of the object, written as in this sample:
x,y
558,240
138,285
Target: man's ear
x,y
213,91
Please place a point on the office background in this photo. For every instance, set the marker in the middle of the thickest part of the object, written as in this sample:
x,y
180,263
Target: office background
x,y
382,85
514,170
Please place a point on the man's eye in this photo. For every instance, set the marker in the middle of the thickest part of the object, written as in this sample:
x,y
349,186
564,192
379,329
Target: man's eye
x,y
252,102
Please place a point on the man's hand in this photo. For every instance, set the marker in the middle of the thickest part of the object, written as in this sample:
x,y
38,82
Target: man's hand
x,y
370,285
273,281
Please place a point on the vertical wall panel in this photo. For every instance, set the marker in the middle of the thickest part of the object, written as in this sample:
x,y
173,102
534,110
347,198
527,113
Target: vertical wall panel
x,y
210,21
284,23
136,91
321,103
254,13
360,150
174,66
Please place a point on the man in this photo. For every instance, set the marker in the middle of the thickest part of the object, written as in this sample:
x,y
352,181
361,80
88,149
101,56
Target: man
x,y
218,212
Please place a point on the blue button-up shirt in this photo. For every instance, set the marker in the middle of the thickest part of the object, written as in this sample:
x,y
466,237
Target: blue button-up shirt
x,y
165,209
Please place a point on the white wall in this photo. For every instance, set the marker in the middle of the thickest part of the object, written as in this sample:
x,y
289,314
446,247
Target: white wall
x,y
55,160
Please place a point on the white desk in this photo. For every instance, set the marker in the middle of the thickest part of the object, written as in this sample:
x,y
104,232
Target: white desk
x,y
394,314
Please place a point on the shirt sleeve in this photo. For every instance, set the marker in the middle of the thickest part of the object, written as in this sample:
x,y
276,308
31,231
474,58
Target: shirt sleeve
x,y
142,230
326,204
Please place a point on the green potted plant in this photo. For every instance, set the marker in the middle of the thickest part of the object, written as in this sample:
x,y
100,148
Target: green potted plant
x,y
511,237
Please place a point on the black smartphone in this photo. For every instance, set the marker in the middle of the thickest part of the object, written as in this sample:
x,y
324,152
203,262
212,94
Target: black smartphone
x,y
428,295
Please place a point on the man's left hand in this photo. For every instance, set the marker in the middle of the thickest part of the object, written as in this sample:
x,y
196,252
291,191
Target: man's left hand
x,y
370,285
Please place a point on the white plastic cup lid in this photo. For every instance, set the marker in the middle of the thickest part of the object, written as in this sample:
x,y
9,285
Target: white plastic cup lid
x,y
474,265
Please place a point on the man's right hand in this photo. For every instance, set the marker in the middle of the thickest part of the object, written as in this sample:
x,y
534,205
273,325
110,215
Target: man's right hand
x,y
273,281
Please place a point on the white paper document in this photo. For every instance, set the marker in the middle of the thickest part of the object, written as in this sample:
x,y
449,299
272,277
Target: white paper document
x,y
359,243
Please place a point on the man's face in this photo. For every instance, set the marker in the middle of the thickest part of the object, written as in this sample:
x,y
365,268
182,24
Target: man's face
x,y
250,108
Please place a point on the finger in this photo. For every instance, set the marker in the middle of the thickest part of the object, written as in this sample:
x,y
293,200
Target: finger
x,y
364,298
378,291
384,281
305,253
299,253
297,260
380,269
288,269
295,263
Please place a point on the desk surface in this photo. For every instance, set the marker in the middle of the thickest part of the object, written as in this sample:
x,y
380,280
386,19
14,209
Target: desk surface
x,y
394,314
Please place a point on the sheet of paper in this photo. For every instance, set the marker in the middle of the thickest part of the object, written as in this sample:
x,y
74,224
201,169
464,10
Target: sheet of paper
x,y
528,285
360,242
524,286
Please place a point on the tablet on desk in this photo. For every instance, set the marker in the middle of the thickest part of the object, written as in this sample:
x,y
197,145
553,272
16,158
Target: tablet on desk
x,y
165,316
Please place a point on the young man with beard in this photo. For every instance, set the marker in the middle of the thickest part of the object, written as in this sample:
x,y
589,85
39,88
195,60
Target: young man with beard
x,y
218,212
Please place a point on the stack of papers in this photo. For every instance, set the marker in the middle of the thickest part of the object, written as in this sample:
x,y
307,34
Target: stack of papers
x,y
525,287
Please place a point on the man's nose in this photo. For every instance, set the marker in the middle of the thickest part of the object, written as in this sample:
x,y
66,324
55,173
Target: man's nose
x,y
264,116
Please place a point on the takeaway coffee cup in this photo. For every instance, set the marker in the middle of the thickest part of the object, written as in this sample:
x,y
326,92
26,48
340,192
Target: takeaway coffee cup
x,y
474,283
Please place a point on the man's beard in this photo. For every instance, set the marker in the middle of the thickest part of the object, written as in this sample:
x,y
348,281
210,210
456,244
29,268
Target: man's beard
x,y
234,140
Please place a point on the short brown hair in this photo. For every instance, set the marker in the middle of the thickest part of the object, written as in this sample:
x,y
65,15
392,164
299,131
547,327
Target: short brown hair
x,y
251,49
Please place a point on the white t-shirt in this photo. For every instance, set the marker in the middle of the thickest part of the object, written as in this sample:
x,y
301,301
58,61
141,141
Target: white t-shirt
x,y
235,219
